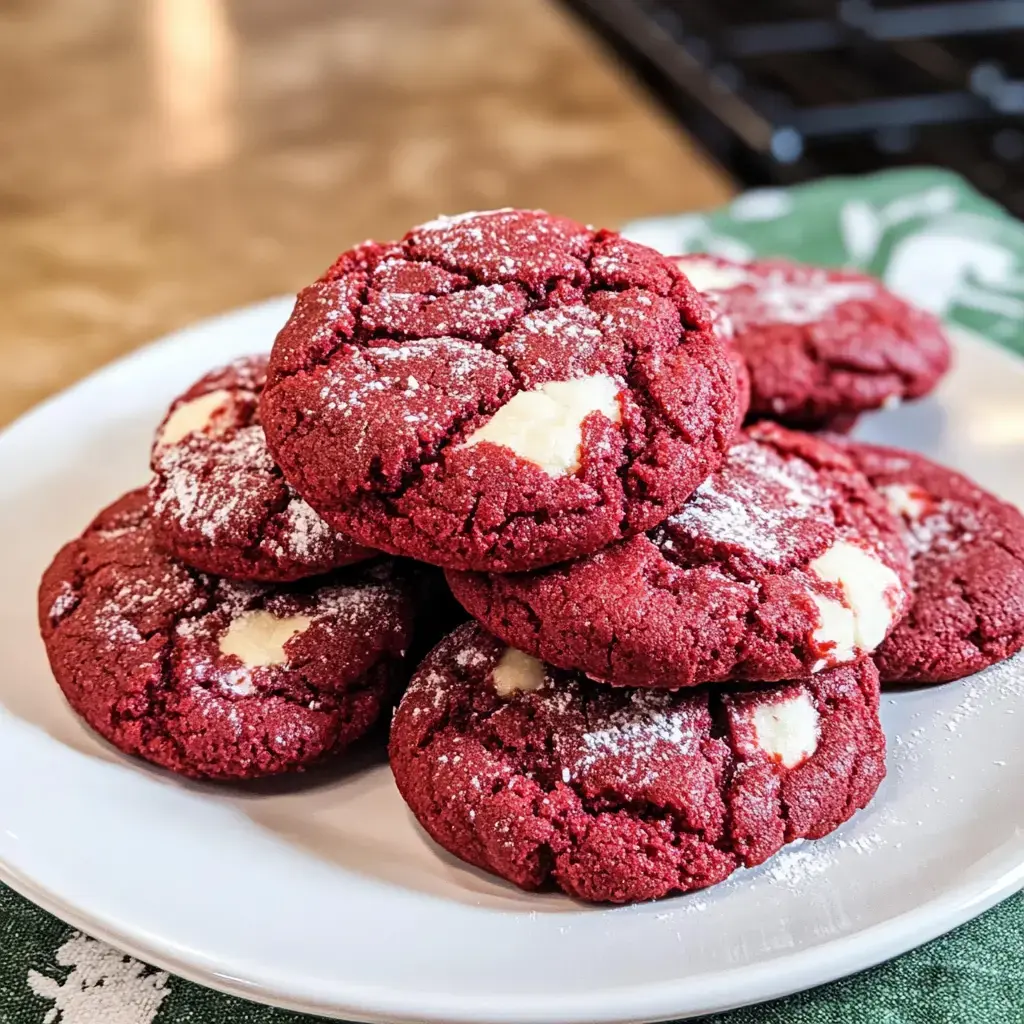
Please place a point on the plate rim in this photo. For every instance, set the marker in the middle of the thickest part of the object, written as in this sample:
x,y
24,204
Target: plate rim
x,y
715,992
876,944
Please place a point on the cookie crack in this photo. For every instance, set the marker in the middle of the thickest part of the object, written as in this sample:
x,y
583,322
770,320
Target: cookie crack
x,y
433,454
313,360
535,298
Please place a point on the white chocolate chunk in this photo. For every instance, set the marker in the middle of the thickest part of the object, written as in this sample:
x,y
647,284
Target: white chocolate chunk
x,y
517,673
909,502
257,638
788,729
193,415
545,426
706,276
837,627
869,587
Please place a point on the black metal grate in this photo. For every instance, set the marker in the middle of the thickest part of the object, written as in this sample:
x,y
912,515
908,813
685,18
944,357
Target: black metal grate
x,y
790,90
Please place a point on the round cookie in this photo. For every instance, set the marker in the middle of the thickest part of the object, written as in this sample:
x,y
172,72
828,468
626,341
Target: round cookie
x,y
819,343
211,678
499,391
220,503
967,548
548,780
784,563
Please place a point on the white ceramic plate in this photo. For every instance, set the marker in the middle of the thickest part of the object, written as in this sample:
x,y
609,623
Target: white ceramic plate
x,y
321,893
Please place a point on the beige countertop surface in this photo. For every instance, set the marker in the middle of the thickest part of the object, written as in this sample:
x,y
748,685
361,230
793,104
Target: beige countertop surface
x,y
163,160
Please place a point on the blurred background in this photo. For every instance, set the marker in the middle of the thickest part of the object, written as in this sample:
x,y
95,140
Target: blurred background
x,y
784,90
162,160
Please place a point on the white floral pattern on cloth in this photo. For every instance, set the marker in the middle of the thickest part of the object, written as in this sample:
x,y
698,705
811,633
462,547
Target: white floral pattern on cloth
x,y
104,986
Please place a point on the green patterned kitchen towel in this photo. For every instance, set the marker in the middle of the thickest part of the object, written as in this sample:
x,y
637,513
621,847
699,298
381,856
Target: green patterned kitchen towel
x,y
934,240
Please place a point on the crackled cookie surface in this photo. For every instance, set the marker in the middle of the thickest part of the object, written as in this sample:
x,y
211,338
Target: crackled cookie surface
x,y
212,678
499,391
219,501
784,563
819,344
967,548
548,780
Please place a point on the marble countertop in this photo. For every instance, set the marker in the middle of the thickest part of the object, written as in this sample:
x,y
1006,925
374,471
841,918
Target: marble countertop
x,y
163,160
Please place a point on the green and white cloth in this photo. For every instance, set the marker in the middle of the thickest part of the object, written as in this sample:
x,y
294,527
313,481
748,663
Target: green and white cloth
x,y
935,241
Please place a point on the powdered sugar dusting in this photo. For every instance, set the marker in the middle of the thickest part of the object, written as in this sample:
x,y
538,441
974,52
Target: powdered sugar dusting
x,y
471,657
232,597
574,324
943,531
445,221
210,487
789,303
651,728
803,860
206,494
351,387
752,503
477,311
113,627
250,372
358,607
999,686
137,594
304,535
486,304
792,867
116,533
238,682
791,295
561,342
65,600
353,605
527,246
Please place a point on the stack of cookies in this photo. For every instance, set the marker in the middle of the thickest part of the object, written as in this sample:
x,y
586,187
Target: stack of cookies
x,y
685,583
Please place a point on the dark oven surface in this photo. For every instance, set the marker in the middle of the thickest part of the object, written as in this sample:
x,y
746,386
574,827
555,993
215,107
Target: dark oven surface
x,y
792,89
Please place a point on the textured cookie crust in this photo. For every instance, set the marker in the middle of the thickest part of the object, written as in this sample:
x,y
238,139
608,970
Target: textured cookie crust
x,y
820,343
499,391
212,678
626,795
220,503
967,548
730,587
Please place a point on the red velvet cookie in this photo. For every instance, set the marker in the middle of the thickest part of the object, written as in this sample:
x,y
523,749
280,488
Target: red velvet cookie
x,y
212,678
967,548
220,503
546,779
783,563
819,343
498,391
